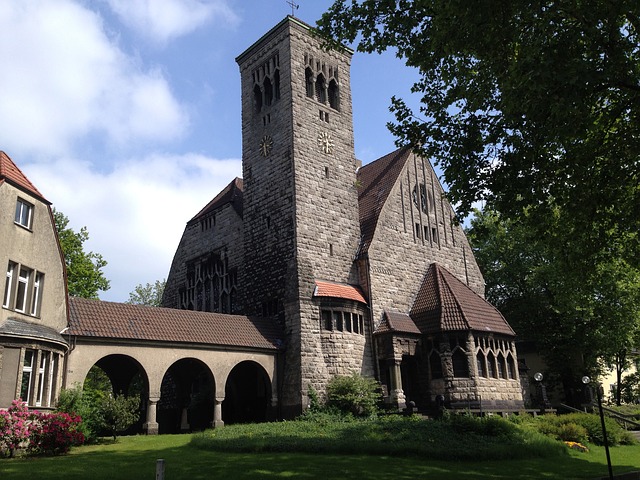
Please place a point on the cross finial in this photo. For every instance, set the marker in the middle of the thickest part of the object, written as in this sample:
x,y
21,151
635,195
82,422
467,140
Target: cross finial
x,y
294,6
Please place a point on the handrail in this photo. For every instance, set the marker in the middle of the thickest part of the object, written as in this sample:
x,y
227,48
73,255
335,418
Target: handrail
x,y
610,412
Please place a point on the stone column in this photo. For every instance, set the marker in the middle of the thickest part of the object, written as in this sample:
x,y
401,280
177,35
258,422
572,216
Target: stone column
x,y
397,393
151,425
217,413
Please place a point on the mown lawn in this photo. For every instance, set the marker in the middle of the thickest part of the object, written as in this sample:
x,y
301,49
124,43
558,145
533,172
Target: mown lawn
x,y
189,457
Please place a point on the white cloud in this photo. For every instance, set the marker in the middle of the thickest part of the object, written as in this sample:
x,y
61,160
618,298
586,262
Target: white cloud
x,y
163,20
62,79
135,214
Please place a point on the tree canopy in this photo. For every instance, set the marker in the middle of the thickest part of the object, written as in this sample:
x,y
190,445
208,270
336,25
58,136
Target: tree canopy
x,y
85,277
149,294
523,104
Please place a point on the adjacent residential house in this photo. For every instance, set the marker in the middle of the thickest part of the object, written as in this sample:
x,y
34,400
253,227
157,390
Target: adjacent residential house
x,y
34,309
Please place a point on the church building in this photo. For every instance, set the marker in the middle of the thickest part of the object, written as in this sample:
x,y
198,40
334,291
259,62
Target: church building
x,y
363,268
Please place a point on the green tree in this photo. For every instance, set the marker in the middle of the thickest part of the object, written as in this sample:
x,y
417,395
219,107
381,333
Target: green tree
x,y
119,412
354,394
85,277
572,313
526,105
149,294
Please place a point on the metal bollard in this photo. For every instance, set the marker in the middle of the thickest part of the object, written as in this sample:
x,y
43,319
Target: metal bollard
x,y
160,469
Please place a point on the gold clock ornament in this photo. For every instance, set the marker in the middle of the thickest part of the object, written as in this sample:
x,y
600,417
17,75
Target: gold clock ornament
x,y
325,142
266,145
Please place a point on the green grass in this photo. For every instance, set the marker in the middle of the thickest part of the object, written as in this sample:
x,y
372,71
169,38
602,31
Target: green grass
x,y
194,457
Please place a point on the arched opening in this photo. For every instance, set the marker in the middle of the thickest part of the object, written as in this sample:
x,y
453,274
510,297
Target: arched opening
x,y
276,84
435,365
247,394
481,361
186,397
460,363
491,362
409,374
257,98
119,375
334,98
308,79
500,363
321,89
268,92
511,367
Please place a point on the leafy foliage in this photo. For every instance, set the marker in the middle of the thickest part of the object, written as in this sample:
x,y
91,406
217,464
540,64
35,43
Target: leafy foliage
x,y
523,104
85,277
119,412
149,294
354,394
550,297
573,426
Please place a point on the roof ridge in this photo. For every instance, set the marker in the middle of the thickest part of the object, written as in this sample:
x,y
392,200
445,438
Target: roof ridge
x,y
11,172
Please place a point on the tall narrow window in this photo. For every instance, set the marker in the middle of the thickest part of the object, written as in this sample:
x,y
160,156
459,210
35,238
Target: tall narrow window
x,y
276,84
44,360
52,378
491,361
257,98
460,363
321,89
334,99
22,290
27,370
24,213
482,369
268,92
8,286
435,365
36,294
308,79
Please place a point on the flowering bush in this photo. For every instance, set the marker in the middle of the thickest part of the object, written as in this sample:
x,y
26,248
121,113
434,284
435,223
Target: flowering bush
x,y
15,425
55,433
49,433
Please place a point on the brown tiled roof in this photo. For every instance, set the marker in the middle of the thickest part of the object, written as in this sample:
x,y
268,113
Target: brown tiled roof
x,y
338,290
232,194
397,322
10,172
444,303
95,318
375,181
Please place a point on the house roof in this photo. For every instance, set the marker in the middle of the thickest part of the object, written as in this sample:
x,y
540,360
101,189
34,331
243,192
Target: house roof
x,y
396,322
232,194
10,173
375,181
444,303
338,290
95,318
15,327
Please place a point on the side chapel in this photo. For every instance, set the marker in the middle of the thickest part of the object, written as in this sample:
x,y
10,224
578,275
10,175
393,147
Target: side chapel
x,y
364,268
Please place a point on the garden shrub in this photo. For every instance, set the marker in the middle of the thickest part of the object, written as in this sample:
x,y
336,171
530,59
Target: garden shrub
x,y
55,433
354,394
15,424
554,426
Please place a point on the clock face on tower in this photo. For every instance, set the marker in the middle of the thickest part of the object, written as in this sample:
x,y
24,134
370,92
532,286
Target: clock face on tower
x,y
266,144
325,142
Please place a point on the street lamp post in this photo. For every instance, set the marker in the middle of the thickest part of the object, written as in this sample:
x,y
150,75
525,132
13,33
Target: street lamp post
x,y
586,380
538,377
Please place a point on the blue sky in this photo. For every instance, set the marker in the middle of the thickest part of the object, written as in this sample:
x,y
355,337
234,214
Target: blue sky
x,y
126,113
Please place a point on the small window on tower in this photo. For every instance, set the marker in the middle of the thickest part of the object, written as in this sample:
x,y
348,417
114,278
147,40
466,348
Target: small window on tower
x,y
276,85
257,97
308,75
268,92
321,89
334,99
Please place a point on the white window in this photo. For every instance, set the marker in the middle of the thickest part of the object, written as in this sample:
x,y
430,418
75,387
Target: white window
x,y
8,286
52,369
35,296
27,370
24,213
44,361
22,290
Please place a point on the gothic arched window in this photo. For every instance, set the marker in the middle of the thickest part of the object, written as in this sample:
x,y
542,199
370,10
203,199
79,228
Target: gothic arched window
x,y
321,89
308,78
268,91
460,363
334,98
257,97
276,84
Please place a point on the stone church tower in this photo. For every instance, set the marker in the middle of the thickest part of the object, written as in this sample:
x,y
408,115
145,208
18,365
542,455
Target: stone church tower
x,y
300,212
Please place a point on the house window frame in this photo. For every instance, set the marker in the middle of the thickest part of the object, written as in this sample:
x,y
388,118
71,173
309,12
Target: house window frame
x,y
28,371
24,208
23,289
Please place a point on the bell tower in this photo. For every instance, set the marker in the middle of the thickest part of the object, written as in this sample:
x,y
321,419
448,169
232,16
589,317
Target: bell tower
x,y
300,210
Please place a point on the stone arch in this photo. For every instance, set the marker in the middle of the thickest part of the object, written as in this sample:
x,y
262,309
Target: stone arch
x,y
247,394
128,377
187,397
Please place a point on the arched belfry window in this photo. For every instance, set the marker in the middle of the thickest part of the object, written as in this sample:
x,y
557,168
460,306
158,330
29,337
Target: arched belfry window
x,y
268,92
308,76
257,97
276,84
321,89
334,99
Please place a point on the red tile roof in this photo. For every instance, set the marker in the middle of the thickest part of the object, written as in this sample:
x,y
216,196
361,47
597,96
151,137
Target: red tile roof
x,y
397,322
10,172
444,303
232,193
95,318
375,181
338,290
